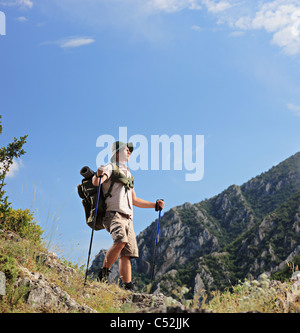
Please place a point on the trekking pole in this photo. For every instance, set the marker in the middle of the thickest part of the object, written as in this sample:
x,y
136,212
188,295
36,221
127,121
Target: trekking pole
x,y
92,235
156,242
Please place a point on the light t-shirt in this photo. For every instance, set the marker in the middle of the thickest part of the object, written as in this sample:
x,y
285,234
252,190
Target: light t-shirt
x,y
120,200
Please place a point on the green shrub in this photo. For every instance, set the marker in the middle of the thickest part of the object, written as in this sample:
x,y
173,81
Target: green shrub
x,y
22,222
8,267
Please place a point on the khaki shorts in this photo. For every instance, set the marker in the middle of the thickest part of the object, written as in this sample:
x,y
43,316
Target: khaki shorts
x,y
121,230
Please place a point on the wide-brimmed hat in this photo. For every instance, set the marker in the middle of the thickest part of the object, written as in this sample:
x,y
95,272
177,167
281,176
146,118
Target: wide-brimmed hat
x,y
116,146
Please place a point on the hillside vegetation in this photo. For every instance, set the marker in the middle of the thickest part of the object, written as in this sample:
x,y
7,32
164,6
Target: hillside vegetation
x,y
38,281
211,255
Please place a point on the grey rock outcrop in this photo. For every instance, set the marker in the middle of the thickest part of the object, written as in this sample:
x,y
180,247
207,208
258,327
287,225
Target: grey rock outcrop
x,y
46,296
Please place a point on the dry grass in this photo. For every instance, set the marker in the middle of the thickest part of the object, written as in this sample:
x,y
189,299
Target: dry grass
x,y
262,296
17,253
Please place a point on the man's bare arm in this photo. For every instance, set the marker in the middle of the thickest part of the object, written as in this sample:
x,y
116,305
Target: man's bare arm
x,y
141,203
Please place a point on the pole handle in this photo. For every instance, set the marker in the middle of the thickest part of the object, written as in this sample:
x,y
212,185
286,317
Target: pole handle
x,y
157,208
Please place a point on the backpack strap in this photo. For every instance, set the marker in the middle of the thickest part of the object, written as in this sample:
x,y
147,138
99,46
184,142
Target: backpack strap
x,y
118,176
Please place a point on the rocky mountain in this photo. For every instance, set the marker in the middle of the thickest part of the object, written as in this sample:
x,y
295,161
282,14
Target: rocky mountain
x,y
240,233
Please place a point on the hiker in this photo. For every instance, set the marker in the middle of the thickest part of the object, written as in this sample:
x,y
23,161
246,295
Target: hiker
x,y
119,212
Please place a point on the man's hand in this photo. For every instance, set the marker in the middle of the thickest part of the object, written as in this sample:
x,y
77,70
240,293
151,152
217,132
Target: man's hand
x,y
100,171
159,205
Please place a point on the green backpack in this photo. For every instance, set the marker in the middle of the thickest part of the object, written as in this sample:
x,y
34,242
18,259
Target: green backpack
x,y
88,193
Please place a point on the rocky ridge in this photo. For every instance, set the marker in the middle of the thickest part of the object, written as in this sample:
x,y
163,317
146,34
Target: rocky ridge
x,y
44,296
49,292
42,293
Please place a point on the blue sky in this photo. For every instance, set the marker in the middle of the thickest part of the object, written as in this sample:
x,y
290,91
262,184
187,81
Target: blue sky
x,y
73,70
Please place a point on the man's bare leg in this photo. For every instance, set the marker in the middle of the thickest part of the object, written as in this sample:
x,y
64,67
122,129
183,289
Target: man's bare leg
x,y
113,254
125,269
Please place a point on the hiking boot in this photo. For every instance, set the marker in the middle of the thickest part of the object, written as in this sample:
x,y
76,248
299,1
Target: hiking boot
x,y
103,275
129,286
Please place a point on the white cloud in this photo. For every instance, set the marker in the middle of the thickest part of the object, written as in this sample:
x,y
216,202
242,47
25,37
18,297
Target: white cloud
x,y
288,41
173,5
281,18
14,168
20,3
273,16
294,108
75,42
26,3
196,28
216,7
72,42
237,33
21,19
178,5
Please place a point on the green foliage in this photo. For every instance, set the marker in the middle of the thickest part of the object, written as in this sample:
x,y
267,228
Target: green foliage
x,y
272,188
247,296
21,222
189,218
8,267
272,234
7,154
286,273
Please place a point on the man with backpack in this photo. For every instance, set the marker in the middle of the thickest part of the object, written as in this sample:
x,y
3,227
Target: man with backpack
x,y
120,199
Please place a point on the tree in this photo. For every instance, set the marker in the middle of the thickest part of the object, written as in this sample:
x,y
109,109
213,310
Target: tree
x,y
7,154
